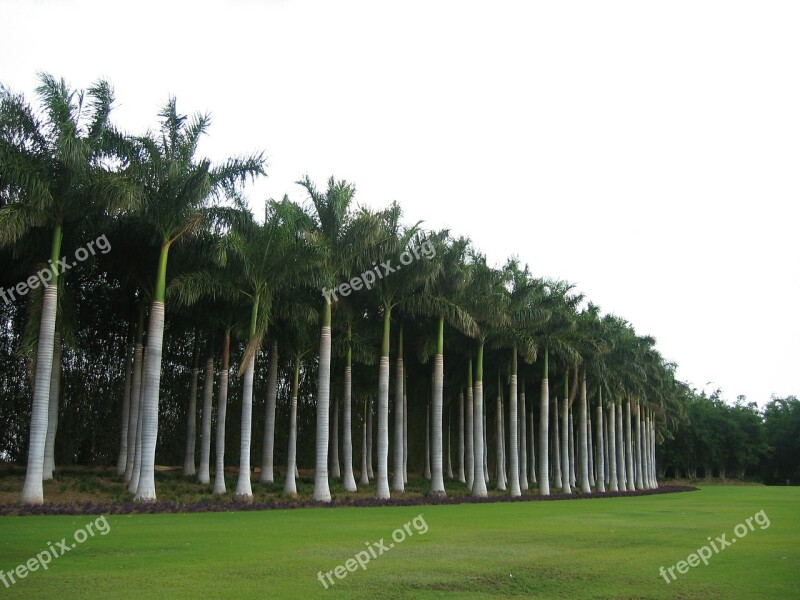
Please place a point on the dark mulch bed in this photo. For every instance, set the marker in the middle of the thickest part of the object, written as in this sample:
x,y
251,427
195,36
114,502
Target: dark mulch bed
x,y
127,508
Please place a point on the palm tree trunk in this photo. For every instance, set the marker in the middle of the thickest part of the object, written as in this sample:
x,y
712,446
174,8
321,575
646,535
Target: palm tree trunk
x,y
437,407
544,434
639,479
32,490
136,392
244,491
449,461
136,470
590,435
565,443
485,448
191,416
290,487
398,482
532,445
601,484
146,490
268,441
522,431
557,483
427,468
513,430
364,447
336,471
204,475
621,475
370,438
52,411
461,474
405,429
479,482
222,409
348,479
572,453
499,441
382,490
322,491
122,459
583,439
629,447
653,452
469,439
613,483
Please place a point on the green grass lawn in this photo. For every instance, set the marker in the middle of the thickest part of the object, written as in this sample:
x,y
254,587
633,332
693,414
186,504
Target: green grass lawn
x,y
599,548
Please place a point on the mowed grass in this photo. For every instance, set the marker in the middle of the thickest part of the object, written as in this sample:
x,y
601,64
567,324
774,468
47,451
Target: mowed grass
x,y
598,548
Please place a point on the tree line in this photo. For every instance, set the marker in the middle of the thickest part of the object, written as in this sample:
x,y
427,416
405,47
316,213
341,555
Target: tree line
x,y
198,307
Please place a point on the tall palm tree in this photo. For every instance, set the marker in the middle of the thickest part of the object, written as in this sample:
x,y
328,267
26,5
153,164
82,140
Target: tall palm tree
x,y
343,240
176,200
443,280
53,169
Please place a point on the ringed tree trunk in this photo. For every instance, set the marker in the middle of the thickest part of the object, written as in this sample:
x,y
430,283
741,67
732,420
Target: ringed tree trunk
x,y
461,474
32,490
244,491
653,452
639,479
513,425
499,439
572,452
532,446
601,484
621,475
589,435
370,438
427,468
191,417
437,404
449,473
268,442
469,425
290,487
556,446
583,439
333,451
565,440
222,408
347,423
204,475
322,492
364,446
146,490
382,490
479,482
398,481
544,434
629,446
136,392
405,428
523,439
613,483
136,470
52,411
122,460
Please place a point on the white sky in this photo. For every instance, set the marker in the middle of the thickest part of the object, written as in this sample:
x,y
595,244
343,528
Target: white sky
x,y
647,151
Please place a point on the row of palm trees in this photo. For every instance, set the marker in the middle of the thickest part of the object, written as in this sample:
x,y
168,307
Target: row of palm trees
x,y
182,235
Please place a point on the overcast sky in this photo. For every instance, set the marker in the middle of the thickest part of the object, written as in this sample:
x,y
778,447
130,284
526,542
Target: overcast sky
x,y
647,152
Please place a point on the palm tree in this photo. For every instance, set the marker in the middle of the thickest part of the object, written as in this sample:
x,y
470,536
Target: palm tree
x,y
443,280
53,169
177,190
343,239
